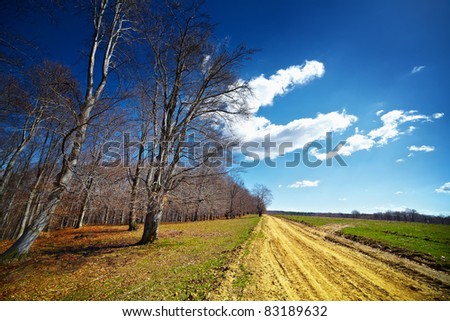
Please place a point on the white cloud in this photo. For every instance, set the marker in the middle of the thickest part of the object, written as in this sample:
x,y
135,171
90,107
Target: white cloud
x,y
399,193
206,63
390,207
444,188
410,154
379,112
438,115
411,129
280,186
264,90
390,130
298,132
423,148
304,183
342,199
400,160
417,69
355,143
391,122
352,144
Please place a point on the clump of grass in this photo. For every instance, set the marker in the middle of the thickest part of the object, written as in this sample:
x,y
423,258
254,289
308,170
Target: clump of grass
x,y
242,279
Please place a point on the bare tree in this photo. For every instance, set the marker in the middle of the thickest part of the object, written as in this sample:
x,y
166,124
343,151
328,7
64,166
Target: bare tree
x,y
135,174
44,168
30,106
90,173
16,187
263,197
234,186
188,81
109,19
204,194
25,117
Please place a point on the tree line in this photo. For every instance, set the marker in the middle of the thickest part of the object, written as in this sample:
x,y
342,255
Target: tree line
x,y
408,215
138,138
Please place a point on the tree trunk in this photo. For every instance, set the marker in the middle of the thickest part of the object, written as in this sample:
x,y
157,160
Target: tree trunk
x,y
85,203
231,208
11,200
197,208
4,180
5,219
83,210
28,211
105,222
135,184
133,198
31,201
21,247
152,221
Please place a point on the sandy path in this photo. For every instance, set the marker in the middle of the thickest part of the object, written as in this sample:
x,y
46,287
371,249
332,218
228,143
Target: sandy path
x,y
290,261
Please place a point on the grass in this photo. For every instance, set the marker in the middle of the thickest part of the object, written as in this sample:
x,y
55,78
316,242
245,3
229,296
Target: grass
x,y
242,279
319,221
432,240
99,263
243,276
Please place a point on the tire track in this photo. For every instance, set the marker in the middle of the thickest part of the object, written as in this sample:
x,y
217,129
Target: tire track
x,y
295,262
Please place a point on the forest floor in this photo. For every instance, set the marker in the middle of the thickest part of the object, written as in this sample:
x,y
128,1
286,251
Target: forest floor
x,y
292,261
101,262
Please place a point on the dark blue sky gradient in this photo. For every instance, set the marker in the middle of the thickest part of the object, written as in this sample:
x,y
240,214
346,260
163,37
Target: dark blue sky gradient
x,y
369,49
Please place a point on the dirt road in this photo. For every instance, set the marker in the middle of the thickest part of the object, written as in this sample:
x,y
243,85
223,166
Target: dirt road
x,y
291,261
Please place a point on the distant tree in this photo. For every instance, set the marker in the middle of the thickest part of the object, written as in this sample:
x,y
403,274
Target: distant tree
x,y
263,198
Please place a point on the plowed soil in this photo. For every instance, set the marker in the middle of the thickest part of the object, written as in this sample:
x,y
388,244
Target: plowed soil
x,y
291,261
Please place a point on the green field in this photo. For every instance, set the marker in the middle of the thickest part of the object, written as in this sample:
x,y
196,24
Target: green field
x,y
101,263
431,241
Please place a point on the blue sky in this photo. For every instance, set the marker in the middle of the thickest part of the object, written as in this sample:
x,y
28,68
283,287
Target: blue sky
x,y
375,73
384,89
